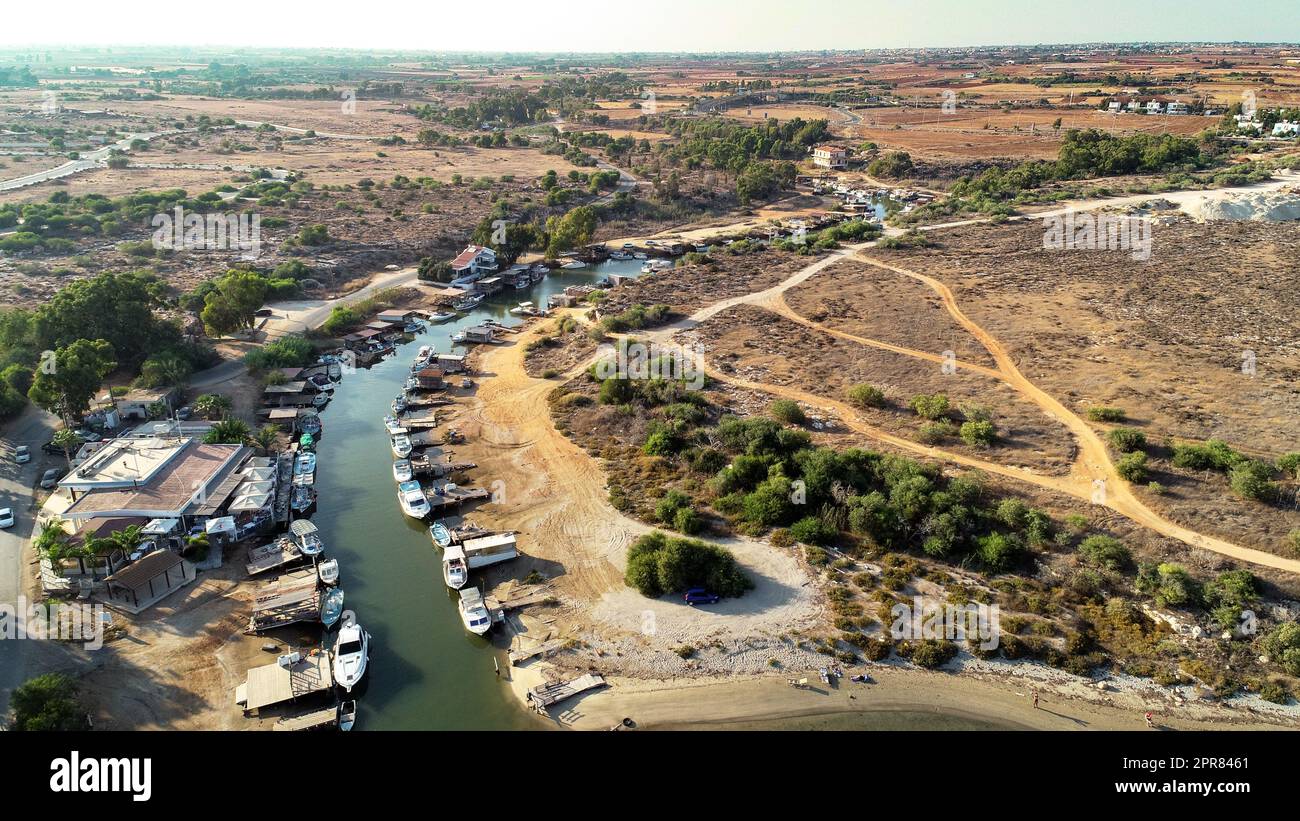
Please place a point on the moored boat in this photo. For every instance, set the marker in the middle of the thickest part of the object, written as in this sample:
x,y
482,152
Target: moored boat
x,y
454,570
440,534
332,607
473,612
402,470
307,537
347,715
401,446
328,571
351,652
412,499
441,316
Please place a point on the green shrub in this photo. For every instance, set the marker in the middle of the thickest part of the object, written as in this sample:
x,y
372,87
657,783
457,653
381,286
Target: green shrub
x,y
1251,479
1126,440
788,412
930,406
658,564
1105,552
1100,413
1132,467
813,530
866,396
978,433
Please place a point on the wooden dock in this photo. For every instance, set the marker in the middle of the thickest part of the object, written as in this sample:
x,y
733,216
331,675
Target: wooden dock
x,y
289,607
426,401
273,684
278,553
544,695
323,717
421,421
519,655
456,497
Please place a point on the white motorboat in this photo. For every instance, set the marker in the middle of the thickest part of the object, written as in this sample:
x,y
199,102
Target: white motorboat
x,y
467,302
302,498
401,446
425,352
454,570
524,309
620,255
459,337
351,652
402,470
328,571
347,715
321,399
307,537
640,255
335,372
412,499
573,265
441,316
473,612
394,426
399,404
309,422
440,534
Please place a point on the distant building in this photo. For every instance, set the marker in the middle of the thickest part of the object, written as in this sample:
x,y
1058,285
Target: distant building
x,y
1114,106
1176,107
830,156
1286,128
1155,107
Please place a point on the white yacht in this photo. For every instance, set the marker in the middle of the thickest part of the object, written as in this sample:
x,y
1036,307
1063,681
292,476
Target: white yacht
x,y
412,499
454,570
473,612
402,471
401,446
351,652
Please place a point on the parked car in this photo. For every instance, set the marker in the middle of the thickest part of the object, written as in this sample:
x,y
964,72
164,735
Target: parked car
x,y
698,595
184,413
50,478
87,435
263,312
52,449
6,517
22,454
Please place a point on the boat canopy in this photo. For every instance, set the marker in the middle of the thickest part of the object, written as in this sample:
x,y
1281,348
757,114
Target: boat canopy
x,y
454,551
302,527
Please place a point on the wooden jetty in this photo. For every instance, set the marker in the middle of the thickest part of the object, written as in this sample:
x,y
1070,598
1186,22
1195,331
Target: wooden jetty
x,y
278,553
297,604
415,401
274,684
420,421
324,717
544,695
445,497
285,583
424,466
519,655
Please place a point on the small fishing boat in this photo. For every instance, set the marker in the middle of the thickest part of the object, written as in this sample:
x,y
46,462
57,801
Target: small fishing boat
x,y
302,499
640,255
399,404
401,446
347,715
334,371
539,271
459,337
320,400
413,327
441,316
467,383
465,303
412,499
620,255
351,652
573,265
402,470
473,612
424,353
332,607
306,442
394,426
454,570
524,309
310,423
307,537
321,381
656,265
305,463
328,571
440,534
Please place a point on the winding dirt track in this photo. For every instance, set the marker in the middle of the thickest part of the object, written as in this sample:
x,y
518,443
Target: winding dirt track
x,y
1092,472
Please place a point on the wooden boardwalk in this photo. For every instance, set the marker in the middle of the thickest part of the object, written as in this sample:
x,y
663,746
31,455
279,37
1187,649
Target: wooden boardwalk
x,y
278,553
273,684
520,655
323,717
544,695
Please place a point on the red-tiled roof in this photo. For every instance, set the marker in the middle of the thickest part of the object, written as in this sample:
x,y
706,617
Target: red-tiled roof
x,y
467,256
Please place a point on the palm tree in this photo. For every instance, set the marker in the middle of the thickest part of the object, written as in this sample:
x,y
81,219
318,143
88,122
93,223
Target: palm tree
x,y
266,437
126,540
54,546
68,440
212,405
228,432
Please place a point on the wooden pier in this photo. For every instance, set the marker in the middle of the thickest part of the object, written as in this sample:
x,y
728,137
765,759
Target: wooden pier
x,y
544,695
519,655
456,497
272,684
278,553
324,717
419,421
301,603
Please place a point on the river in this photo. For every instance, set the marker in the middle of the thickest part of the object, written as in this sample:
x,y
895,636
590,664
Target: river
x,y
426,671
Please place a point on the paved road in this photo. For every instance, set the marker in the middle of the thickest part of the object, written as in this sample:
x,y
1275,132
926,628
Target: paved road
x,y
93,159
33,428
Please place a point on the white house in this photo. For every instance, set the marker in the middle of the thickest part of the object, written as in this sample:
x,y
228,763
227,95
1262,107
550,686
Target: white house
x,y
830,156
1176,107
1134,105
474,260
1286,128
1155,107
1114,106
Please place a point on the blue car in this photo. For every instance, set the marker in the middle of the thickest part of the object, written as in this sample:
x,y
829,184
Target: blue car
x,y
698,595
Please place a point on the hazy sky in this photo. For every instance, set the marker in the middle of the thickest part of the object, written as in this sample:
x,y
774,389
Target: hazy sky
x,y
643,25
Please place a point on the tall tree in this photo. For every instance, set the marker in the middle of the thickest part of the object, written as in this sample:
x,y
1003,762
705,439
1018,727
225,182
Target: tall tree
x,y
77,371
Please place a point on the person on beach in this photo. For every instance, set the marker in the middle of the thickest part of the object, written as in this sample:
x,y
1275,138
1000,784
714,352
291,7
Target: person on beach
x,y
1150,724
1035,699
